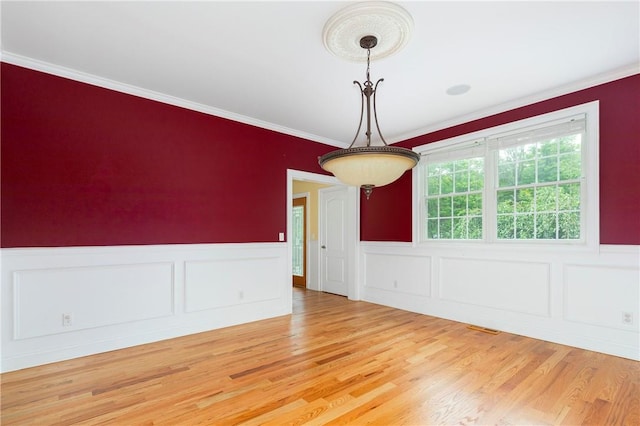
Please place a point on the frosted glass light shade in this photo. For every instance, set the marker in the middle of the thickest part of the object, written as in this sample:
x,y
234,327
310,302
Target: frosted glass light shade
x,y
370,166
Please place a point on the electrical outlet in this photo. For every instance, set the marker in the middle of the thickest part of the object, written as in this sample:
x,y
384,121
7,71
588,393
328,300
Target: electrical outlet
x,y
627,318
67,320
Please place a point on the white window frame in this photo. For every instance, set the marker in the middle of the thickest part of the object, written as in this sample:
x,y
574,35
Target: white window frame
x,y
457,147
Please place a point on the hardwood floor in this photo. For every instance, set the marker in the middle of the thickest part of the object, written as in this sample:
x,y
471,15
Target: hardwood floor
x,y
333,361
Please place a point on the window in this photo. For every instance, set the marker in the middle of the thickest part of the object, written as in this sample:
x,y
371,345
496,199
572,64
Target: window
x,y
529,181
539,179
454,199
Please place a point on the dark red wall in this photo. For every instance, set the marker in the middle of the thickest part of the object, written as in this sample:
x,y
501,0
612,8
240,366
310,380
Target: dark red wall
x,y
387,215
83,165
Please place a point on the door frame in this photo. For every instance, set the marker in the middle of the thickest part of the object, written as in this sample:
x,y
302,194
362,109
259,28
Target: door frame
x,y
353,221
306,257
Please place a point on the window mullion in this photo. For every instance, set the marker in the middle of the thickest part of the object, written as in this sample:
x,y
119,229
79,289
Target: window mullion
x,y
489,209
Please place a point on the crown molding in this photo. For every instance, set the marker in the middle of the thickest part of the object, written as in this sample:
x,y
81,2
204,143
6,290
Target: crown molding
x,y
87,78
82,77
522,102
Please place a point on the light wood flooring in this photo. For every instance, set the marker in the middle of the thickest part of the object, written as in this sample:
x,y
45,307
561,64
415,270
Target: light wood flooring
x,y
333,361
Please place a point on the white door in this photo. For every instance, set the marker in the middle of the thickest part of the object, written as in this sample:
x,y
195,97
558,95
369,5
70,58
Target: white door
x,y
334,239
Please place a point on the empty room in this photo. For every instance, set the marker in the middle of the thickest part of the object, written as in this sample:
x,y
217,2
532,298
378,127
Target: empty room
x,y
318,212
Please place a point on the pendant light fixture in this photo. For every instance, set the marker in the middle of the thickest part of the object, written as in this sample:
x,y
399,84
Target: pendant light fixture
x,y
369,166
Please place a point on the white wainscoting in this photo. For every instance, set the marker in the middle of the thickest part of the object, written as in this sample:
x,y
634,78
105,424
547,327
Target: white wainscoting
x,y
577,298
125,296
117,297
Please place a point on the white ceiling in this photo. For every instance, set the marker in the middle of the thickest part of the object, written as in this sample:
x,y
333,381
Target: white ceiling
x,y
264,62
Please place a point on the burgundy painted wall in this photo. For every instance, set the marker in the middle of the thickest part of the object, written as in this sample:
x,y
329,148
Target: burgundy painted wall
x,y
83,165
387,215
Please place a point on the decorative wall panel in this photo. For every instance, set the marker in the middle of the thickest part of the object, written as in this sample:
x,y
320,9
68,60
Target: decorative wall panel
x,y
222,282
602,295
90,297
513,286
403,274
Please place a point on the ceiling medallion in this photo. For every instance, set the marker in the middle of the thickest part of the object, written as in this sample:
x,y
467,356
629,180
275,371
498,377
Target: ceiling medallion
x,y
389,23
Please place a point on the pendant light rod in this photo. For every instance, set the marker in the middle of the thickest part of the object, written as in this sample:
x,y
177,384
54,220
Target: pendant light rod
x,y
368,42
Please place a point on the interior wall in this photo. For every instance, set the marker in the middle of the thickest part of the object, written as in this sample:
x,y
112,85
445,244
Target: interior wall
x,y
387,215
84,166
587,299
65,302
136,220
87,166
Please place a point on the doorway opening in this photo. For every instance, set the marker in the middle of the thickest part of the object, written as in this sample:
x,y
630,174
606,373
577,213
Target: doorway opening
x,y
305,183
299,237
